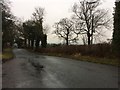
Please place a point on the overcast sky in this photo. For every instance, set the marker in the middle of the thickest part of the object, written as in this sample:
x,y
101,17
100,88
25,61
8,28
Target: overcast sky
x,y
55,10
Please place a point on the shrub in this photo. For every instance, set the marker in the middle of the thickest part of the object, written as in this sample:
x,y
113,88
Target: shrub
x,y
97,50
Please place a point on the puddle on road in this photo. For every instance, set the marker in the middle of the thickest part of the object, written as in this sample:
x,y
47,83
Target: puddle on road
x,y
31,70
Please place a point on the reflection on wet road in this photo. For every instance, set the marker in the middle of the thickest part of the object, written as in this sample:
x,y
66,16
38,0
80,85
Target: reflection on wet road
x,y
57,73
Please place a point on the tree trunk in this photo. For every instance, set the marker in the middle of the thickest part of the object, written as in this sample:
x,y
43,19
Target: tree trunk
x,y
32,43
37,43
88,35
44,41
25,42
28,42
89,40
67,42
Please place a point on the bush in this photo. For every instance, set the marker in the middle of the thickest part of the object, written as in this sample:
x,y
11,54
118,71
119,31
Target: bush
x,y
97,50
7,54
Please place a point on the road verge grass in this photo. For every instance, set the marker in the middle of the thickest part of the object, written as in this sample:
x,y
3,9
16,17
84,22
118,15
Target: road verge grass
x,y
106,61
7,54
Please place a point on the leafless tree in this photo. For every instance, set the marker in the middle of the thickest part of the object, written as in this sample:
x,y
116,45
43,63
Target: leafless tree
x,y
37,17
65,29
90,19
46,28
38,14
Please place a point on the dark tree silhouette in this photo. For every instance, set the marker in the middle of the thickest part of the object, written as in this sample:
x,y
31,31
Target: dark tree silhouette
x,y
116,33
18,32
65,29
89,18
38,16
29,33
7,24
33,30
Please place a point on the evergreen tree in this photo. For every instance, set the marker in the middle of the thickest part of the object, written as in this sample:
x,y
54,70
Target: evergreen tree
x,y
33,30
116,33
7,24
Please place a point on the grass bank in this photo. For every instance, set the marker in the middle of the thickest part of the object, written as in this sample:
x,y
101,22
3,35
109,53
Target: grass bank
x,y
78,56
7,54
106,61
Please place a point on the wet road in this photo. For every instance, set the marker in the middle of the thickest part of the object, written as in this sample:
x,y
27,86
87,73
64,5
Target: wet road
x,y
57,73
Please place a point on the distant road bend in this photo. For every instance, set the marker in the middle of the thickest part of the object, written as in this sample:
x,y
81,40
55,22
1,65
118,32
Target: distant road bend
x,y
57,73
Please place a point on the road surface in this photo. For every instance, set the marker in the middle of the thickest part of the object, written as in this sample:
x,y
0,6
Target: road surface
x,y
57,73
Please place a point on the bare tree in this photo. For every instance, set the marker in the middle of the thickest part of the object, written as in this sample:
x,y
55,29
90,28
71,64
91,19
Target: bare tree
x,y
65,29
90,19
38,14
46,28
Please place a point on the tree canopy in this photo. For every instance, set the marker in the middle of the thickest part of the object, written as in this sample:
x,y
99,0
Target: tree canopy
x,y
65,29
116,33
90,19
7,23
33,29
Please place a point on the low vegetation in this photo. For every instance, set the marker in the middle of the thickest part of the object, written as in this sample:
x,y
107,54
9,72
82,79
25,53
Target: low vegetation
x,y
99,53
106,61
7,55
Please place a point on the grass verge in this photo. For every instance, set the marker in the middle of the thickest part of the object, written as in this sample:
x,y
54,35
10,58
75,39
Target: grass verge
x,y
7,55
106,61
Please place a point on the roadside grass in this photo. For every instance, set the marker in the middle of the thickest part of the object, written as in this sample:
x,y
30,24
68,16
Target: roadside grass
x,y
77,56
7,54
97,53
106,61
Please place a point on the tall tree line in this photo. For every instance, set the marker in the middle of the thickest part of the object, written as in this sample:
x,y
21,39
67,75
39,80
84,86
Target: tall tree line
x,y
89,20
33,30
29,33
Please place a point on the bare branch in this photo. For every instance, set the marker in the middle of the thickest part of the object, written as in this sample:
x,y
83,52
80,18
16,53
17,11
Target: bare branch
x,y
91,18
65,29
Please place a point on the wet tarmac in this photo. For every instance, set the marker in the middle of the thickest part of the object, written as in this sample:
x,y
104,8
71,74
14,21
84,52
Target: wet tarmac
x,y
56,73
